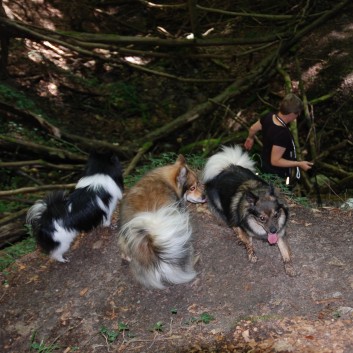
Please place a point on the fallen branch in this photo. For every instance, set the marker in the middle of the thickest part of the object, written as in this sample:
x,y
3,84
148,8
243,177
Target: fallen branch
x,y
338,186
337,147
89,143
178,78
50,151
13,216
34,189
239,86
138,156
251,14
75,40
56,132
262,73
53,130
331,169
345,183
39,162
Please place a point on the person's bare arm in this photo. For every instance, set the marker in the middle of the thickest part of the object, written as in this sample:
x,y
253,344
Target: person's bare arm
x,y
254,128
277,160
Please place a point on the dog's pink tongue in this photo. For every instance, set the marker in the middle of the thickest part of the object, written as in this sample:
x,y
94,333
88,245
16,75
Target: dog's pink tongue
x,y
272,238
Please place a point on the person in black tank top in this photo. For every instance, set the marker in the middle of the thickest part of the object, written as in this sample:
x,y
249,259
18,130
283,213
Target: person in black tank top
x,y
278,153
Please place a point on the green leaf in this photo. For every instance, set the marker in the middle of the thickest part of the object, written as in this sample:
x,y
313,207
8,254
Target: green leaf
x,y
111,335
206,318
158,326
123,327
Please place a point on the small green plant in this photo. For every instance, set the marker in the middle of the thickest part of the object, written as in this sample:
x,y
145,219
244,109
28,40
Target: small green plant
x,y
110,335
123,327
42,347
158,326
125,330
174,311
336,314
205,318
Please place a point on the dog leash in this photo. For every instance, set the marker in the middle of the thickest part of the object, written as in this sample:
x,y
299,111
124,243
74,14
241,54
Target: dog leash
x,y
297,174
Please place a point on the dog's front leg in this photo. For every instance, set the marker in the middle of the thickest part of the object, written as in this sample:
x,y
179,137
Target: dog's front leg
x,y
247,242
286,255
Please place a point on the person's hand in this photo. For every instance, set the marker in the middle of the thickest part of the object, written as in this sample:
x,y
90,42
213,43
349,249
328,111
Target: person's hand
x,y
249,142
305,165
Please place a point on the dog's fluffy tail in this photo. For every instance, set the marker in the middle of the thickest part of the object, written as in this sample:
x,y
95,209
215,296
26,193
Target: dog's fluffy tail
x,y
158,244
47,220
228,156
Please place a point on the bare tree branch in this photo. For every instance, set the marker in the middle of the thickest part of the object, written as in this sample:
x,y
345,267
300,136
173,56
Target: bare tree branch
x,y
58,153
31,190
39,162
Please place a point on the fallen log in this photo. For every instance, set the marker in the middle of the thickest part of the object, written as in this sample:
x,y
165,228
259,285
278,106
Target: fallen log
x,y
12,232
12,227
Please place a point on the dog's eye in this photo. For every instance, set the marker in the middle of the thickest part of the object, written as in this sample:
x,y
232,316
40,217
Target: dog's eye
x,y
262,218
275,215
192,188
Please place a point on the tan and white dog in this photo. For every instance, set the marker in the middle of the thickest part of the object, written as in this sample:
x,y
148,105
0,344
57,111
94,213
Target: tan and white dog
x,y
155,231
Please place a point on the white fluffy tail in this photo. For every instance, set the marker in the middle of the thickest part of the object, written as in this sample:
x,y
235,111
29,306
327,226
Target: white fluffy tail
x,y
228,156
35,212
159,246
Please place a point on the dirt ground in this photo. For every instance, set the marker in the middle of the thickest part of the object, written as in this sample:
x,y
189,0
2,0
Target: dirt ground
x,y
232,305
93,305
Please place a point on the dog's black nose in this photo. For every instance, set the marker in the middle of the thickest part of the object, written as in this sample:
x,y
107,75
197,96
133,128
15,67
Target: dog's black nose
x,y
273,229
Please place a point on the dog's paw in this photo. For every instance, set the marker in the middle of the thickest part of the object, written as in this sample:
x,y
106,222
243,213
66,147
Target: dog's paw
x,y
125,257
290,271
125,262
62,259
196,259
252,258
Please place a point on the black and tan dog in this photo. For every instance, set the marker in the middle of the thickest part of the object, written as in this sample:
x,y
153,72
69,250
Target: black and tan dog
x,y
155,231
250,206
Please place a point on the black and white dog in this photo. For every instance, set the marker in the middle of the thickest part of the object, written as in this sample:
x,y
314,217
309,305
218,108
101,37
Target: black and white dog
x,y
59,217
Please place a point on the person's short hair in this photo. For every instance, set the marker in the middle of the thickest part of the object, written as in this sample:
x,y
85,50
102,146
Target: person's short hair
x,y
291,104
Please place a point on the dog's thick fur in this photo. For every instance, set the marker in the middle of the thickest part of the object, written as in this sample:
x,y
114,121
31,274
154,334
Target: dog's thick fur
x,y
250,206
155,231
59,217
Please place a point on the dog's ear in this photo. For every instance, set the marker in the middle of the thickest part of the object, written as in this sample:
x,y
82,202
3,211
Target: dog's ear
x,y
251,198
181,159
272,191
181,177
